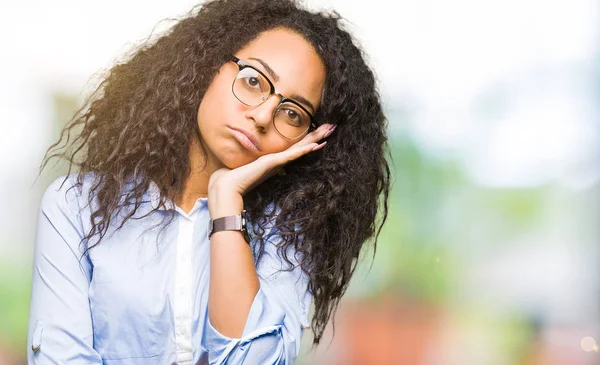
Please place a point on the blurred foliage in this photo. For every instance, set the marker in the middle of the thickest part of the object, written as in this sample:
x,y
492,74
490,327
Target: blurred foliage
x,y
15,288
437,215
412,252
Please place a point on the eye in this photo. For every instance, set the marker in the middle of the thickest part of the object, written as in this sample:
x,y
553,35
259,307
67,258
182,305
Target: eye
x,y
253,82
252,79
292,115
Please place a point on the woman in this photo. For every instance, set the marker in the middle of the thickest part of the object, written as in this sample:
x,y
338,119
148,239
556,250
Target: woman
x,y
142,257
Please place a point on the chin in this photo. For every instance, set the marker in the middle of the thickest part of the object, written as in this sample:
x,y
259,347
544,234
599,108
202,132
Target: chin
x,y
233,162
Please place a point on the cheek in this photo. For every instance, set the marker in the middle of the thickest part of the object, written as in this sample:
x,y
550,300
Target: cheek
x,y
217,99
275,143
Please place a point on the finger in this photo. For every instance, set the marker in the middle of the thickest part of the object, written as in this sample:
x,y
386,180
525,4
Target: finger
x,y
318,134
319,146
291,154
267,165
308,144
264,167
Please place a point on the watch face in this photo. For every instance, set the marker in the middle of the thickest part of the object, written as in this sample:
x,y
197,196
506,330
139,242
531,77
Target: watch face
x,y
245,225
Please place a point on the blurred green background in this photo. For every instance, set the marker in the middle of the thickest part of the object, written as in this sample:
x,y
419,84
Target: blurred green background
x,y
491,252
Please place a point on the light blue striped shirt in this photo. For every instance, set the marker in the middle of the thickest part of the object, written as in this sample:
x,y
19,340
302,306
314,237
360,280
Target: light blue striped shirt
x,y
140,296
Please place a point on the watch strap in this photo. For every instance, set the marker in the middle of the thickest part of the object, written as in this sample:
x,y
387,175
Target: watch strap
x,y
230,223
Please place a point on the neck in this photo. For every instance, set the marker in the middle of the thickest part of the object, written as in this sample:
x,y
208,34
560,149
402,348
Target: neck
x,y
196,184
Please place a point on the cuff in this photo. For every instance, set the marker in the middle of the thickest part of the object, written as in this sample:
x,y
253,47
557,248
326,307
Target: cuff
x,y
265,318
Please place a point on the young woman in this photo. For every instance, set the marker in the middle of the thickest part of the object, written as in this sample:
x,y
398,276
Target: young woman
x,y
230,172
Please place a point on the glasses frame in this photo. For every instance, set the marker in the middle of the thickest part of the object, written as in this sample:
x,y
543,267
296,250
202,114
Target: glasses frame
x,y
242,65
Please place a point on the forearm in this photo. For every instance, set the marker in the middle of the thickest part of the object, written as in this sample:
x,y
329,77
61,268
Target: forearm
x,y
233,279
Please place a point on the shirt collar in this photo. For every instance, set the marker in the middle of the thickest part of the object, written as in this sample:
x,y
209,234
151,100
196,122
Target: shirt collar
x,y
154,192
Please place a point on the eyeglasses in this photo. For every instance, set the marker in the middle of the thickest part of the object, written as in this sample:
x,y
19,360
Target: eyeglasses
x,y
252,87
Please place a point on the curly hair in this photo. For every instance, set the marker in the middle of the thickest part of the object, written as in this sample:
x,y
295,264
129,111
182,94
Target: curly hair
x,y
138,122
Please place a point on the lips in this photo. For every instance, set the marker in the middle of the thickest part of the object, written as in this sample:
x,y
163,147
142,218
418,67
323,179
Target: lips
x,y
246,139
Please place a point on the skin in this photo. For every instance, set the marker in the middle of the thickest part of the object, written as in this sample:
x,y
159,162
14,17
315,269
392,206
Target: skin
x,y
233,170
300,72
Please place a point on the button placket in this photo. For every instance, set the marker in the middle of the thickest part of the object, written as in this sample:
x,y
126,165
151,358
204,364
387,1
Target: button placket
x,y
182,305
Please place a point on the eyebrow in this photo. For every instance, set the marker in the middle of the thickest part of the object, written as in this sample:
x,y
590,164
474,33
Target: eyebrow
x,y
267,67
275,77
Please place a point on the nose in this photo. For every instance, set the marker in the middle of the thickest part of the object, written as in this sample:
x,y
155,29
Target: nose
x,y
263,114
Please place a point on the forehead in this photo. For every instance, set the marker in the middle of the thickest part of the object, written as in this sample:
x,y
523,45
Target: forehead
x,y
292,58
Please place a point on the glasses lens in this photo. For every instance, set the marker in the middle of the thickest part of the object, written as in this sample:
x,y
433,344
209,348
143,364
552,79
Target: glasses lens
x,y
291,121
250,87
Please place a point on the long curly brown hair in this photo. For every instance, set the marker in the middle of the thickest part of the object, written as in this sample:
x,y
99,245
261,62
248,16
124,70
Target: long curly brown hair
x,y
137,125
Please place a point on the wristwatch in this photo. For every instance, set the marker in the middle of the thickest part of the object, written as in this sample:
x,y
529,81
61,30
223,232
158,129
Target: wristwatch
x,y
230,223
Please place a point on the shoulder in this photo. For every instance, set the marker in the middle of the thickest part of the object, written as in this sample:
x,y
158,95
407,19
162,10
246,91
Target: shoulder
x,y
66,193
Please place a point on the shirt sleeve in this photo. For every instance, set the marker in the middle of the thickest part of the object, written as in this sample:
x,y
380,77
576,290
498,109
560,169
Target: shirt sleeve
x,y
277,317
60,325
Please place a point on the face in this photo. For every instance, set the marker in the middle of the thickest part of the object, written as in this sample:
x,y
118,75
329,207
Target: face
x,y
300,75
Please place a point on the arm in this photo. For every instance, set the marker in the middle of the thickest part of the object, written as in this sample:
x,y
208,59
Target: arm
x,y
272,318
257,306
60,325
233,279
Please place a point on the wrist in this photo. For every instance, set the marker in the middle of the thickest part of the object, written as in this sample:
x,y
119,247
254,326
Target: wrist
x,y
224,202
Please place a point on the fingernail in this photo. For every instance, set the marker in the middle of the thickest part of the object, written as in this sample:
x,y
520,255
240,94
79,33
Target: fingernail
x,y
330,131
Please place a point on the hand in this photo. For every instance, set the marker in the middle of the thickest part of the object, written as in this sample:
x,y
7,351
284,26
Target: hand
x,y
231,184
